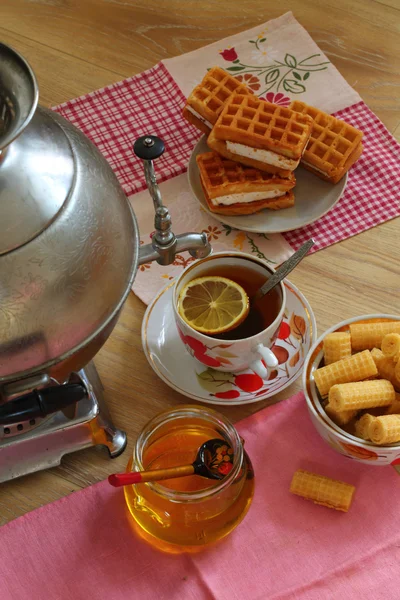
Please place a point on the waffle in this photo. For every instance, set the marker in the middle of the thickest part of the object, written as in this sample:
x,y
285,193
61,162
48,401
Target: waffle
x,y
208,98
221,178
337,345
334,146
362,426
385,429
354,368
220,147
273,136
322,490
370,335
361,394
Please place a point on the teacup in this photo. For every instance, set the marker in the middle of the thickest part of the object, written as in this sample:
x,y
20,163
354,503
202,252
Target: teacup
x,y
233,355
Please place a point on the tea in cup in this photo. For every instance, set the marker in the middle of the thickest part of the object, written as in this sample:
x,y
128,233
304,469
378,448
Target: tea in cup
x,y
247,346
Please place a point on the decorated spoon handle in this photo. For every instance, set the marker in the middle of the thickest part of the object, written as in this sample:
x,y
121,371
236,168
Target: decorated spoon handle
x,y
119,479
284,270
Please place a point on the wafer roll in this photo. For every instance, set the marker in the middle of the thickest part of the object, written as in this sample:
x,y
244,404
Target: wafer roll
x,y
340,418
362,394
386,367
322,490
369,335
394,408
385,429
397,371
355,368
362,426
391,345
336,346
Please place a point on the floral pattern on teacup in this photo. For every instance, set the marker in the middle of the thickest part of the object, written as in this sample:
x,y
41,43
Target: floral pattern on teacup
x,y
289,348
214,355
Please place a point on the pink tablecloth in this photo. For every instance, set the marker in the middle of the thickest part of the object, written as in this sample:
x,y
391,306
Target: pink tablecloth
x,y
82,547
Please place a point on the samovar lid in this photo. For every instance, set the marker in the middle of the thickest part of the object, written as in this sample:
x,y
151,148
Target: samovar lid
x,y
36,159
19,95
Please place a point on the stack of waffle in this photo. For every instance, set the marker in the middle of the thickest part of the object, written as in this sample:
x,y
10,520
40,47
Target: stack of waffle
x,y
334,146
256,146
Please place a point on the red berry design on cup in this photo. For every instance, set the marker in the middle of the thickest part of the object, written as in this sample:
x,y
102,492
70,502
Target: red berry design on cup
x,y
198,350
272,375
182,335
281,353
207,360
284,331
195,345
249,382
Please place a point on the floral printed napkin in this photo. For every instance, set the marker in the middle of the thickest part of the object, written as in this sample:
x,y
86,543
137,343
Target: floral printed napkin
x,y
277,60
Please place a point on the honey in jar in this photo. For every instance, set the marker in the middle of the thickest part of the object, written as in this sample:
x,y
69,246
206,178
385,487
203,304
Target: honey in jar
x,y
188,513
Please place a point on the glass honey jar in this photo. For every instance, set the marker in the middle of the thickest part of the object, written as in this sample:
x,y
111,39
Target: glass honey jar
x,y
189,513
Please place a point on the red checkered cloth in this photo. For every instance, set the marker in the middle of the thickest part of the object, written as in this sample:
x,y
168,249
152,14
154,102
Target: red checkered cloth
x,y
115,116
151,103
372,193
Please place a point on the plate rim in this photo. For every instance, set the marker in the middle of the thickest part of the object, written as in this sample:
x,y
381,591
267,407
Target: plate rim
x,y
226,220
146,317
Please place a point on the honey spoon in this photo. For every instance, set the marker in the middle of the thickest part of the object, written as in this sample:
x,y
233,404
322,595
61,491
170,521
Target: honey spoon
x,y
214,460
283,270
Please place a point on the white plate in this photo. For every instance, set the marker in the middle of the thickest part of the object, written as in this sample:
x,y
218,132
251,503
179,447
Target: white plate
x,y
171,361
313,199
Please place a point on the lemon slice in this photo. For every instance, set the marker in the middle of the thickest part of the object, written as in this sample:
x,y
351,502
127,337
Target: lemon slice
x,y
213,305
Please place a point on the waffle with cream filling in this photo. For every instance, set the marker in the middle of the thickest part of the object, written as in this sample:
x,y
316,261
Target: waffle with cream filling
x,y
334,146
260,134
234,189
208,98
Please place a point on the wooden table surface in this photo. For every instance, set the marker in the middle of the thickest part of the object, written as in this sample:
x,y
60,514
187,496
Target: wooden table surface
x,y
78,46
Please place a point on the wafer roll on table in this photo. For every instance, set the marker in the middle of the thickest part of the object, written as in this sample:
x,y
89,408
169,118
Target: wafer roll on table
x,y
336,346
391,345
354,368
208,98
385,429
370,335
361,394
362,426
334,146
322,490
234,189
260,134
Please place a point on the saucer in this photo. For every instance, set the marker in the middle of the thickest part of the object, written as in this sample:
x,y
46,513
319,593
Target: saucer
x,y
171,361
313,199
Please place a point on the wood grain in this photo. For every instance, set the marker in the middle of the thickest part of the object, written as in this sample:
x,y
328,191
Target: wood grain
x,y
78,46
